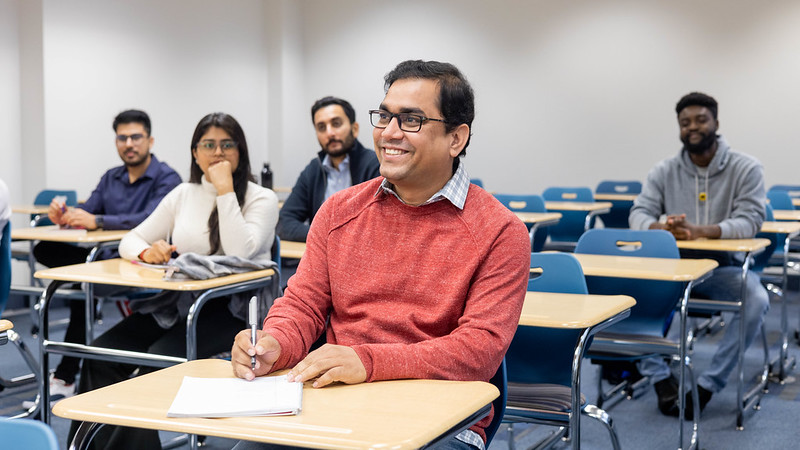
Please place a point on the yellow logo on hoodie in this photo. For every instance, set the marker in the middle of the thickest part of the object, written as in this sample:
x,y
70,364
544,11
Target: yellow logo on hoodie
x,y
702,197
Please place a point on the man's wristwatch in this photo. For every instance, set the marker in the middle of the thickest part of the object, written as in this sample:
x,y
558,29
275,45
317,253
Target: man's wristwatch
x,y
98,220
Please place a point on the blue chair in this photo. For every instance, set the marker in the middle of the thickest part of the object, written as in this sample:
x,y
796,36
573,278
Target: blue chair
x,y
27,435
477,182
499,404
45,197
11,335
642,334
541,387
569,229
620,209
793,190
780,199
527,203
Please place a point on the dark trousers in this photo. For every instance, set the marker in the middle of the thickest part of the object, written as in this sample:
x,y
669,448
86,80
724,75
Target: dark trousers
x,y
57,254
216,329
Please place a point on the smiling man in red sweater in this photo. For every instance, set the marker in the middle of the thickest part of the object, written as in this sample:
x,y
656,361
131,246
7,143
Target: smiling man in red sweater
x,y
421,274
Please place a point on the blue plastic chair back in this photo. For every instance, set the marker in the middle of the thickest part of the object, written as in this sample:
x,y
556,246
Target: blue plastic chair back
x,y
26,434
477,182
572,223
780,199
655,300
620,209
619,187
761,260
544,355
46,196
499,404
5,265
792,189
527,203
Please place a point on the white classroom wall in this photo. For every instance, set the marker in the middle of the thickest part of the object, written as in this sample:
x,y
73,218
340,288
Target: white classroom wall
x,y
568,93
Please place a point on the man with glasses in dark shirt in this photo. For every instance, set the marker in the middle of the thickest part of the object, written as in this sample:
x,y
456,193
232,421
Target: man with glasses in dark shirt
x,y
125,196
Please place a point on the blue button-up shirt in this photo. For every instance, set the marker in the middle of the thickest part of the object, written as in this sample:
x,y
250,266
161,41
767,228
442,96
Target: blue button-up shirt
x,y
338,178
123,204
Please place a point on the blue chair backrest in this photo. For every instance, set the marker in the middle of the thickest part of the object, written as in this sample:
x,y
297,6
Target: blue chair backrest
x,y
761,260
27,434
792,189
655,300
476,181
642,243
46,196
5,265
499,404
620,209
619,187
527,203
571,225
556,272
780,199
544,355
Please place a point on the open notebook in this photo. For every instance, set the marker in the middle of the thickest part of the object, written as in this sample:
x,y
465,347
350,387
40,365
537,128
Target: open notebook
x,y
232,397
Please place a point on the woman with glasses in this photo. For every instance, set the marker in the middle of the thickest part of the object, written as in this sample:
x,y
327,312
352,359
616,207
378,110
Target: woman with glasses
x,y
220,211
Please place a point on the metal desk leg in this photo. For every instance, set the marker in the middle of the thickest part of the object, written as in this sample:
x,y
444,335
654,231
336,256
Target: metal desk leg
x,y
84,435
44,336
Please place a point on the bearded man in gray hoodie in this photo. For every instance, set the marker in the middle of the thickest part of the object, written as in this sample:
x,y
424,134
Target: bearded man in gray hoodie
x,y
706,191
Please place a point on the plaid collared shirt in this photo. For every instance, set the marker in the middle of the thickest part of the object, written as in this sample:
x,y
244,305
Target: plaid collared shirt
x,y
454,190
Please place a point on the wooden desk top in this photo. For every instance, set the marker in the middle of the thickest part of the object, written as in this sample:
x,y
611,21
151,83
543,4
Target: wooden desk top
x,y
618,197
547,309
121,272
54,234
665,269
725,245
30,209
397,414
5,325
790,228
786,214
540,218
578,206
292,249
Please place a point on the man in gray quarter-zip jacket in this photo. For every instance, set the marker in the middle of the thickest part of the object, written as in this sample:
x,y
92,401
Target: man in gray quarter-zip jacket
x,y
706,191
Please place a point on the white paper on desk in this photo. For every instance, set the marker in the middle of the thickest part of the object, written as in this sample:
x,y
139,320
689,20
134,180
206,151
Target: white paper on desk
x,y
233,397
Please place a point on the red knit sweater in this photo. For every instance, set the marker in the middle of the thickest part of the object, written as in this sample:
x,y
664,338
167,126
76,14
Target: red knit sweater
x,y
418,292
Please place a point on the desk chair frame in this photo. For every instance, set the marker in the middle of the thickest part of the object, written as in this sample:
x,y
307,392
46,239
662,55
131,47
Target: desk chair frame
x,y
561,272
618,216
642,335
46,346
750,400
10,334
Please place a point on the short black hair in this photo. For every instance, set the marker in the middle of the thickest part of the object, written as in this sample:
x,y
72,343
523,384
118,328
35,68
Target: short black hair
x,y
133,116
329,100
697,99
456,98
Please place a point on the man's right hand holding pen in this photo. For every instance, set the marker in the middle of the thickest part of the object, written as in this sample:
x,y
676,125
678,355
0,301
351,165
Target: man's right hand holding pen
x,y
56,212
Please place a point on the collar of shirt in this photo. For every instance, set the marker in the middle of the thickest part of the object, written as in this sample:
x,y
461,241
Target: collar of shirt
x,y
454,190
150,172
328,166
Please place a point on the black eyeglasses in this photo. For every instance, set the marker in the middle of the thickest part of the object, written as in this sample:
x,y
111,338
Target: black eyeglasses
x,y
407,121
210,146
136,138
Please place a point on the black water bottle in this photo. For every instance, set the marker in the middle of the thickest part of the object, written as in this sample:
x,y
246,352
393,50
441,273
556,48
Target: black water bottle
x,y
266,176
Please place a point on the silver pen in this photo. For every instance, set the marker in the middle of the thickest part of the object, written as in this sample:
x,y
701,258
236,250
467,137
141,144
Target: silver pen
x,y
253,327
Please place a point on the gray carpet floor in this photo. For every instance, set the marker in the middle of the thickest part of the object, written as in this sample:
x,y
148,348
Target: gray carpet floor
x,y
638,422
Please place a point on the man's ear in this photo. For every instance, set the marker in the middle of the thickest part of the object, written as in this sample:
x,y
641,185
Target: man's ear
x,y
354,128
458,139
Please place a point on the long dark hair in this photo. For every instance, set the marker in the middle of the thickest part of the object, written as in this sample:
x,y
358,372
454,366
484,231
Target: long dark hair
x,y
240,176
